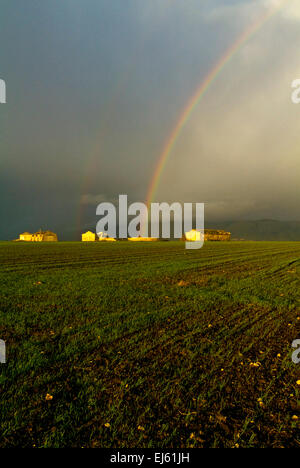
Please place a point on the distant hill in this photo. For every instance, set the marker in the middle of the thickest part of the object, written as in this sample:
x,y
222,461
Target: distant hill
x,y
265,229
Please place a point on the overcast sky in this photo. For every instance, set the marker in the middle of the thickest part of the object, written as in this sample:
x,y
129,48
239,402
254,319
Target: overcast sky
x,y
94,88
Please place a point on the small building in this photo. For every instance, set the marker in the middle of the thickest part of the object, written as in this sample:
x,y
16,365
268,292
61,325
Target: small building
x,y
194,236
103,237
142,239
216,235
40,236
50,237
44,236
92,237
26,237
209,235
89,237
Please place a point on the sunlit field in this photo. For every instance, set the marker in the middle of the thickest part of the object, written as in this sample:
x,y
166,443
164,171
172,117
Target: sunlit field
x,y
149,345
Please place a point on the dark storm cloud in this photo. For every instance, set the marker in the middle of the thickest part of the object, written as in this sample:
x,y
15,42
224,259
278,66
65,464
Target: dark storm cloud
x,y
95,87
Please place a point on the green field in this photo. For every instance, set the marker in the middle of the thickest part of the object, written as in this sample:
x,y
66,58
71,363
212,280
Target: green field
x,y
149,345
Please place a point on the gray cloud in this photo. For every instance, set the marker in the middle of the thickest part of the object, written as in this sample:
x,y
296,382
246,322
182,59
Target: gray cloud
x,y
239,152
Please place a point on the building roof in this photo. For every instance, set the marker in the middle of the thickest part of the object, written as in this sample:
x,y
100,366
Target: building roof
x,y
45,233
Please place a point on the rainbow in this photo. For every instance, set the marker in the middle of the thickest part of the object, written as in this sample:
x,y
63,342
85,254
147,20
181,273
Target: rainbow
x,y
201,91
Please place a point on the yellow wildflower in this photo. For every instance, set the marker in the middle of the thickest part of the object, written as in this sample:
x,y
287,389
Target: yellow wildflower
x,y
255,364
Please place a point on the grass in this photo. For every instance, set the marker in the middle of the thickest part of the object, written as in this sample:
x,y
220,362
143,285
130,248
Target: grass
x,y
149,345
